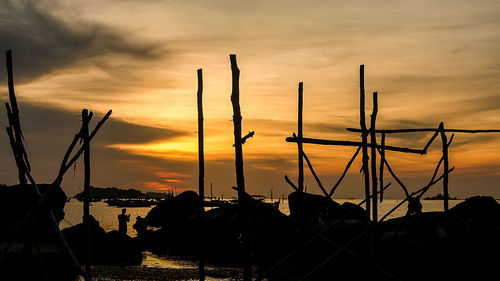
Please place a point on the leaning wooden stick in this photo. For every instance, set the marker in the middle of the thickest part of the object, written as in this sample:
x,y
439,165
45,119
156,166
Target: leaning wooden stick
x,y
64,162
314,175
80,151
291,183
389,169
428,144
344,172
436,170
382,160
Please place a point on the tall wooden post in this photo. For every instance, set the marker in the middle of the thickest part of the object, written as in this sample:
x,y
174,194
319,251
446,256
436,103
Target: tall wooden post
x,y
86,192
445,165
201,174
382,163
364,137
300,135
235,100
238,153
374,157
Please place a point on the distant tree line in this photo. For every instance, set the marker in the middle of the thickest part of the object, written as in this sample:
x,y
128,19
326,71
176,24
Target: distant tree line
x,y
100,193
440,196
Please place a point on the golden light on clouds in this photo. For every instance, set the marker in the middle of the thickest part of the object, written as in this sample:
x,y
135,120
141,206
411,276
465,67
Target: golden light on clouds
x,y
430,62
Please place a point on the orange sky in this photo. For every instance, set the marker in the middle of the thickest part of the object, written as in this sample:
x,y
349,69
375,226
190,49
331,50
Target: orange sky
x,y
430,62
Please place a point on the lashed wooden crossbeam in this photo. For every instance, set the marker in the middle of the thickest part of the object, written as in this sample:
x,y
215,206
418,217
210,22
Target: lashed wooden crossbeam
x,y
353,143
397,131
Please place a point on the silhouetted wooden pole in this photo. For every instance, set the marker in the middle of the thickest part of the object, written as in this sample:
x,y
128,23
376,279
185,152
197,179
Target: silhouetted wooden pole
x,y
445,165
364,137
75,157
201,174
374,156
240,179
315,175
330,194
382,160
353,143
13,114
300,135
235,100
86,191
398,131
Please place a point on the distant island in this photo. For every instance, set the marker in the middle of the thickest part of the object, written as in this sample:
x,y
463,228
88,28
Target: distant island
x,y
100,193
439,196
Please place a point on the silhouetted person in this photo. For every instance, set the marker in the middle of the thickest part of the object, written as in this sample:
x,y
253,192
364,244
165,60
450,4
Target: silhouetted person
x,y
123,219
141,225
414,206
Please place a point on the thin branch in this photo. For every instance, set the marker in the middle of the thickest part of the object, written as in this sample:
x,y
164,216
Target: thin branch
x,y
80,151
394,175
345,172
291,183
314,174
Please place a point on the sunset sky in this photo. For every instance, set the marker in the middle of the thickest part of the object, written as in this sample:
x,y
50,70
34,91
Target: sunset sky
x,y
430,61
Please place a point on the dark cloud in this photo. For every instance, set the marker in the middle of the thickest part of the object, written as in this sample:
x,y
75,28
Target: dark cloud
x,y
42,42
49,131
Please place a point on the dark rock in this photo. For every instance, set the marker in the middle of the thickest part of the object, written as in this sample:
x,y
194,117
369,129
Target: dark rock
x,y
173,212
311,208
17,200
110,248
476,206
352,211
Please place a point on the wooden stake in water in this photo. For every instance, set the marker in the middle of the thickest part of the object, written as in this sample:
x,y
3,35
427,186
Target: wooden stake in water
x,y
238,153
201,174
300,135
86,192
382,163
445,165
374,156
364,137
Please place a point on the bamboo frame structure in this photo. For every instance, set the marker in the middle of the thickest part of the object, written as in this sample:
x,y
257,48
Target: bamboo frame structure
x,y
380,148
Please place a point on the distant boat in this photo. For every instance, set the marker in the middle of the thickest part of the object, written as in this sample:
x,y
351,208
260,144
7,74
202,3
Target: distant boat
x,y
130,203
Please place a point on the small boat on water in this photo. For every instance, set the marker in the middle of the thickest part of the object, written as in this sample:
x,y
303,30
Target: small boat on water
x,y
130,203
